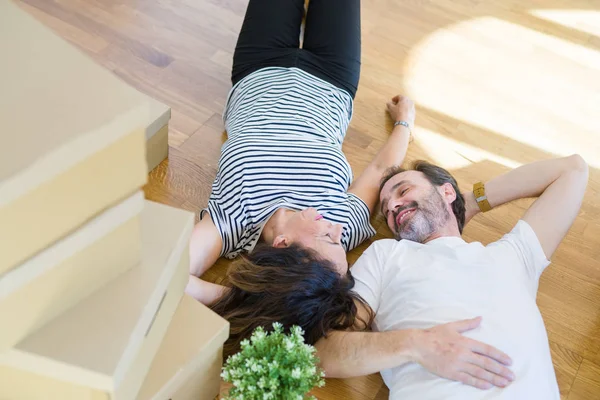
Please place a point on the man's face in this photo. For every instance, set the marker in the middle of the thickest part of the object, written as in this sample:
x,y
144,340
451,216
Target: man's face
x,y
414,209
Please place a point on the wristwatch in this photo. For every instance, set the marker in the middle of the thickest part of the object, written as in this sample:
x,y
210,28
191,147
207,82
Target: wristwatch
x,y
480,197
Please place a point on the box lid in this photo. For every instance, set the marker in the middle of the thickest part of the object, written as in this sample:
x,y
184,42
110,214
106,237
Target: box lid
x,y
92,231
94,343
57,106
194,329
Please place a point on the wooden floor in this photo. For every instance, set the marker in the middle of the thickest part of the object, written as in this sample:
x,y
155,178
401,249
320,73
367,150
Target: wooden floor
x,y
496,83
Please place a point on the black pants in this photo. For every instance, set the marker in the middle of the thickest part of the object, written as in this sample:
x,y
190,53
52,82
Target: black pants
x,y
270,37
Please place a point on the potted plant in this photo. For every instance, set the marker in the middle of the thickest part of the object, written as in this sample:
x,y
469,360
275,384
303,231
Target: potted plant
x,y
273,366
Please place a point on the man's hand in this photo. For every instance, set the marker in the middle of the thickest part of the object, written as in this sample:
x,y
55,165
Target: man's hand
x,y
402,109
444,351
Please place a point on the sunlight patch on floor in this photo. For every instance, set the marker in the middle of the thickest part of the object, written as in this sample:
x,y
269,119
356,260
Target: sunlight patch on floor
x,y
582,20
534,88
453,154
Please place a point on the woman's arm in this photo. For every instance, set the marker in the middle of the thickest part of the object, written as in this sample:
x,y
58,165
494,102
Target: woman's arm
x,y
205,246
205,292
366,186
205,249
442,350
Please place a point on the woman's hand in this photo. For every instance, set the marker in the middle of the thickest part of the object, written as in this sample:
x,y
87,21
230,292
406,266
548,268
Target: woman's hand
x,y
402,108
444,351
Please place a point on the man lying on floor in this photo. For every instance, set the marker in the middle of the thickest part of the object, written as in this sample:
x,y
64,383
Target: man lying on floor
x,y
429,276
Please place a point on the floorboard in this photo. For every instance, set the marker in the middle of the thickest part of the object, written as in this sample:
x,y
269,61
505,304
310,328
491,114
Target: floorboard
x,y
497,84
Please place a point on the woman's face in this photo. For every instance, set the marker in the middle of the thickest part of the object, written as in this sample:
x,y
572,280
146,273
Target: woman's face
x,y
308,228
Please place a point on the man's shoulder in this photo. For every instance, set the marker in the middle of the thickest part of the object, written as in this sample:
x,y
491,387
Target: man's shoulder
x,y
385,245
387,242
376,253
383,250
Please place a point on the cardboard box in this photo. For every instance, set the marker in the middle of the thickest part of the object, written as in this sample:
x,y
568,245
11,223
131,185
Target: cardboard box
x,y
103,347
157,134
188,363
69,271
72,137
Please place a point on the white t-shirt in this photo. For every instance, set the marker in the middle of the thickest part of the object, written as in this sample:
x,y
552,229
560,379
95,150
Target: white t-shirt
x,y
413,285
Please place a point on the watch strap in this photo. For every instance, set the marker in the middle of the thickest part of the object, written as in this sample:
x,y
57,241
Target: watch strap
x,y
480,197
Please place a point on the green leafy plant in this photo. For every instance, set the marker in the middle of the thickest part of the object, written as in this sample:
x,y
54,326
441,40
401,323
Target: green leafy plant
x,y
273,366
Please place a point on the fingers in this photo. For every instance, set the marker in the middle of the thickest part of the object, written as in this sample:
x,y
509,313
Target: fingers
x,y
465,325
473,381
492,366
489,351
476,346
486,376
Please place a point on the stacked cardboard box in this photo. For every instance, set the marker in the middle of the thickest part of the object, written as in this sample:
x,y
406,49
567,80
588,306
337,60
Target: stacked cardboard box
x,y
103,346
91,273
188,363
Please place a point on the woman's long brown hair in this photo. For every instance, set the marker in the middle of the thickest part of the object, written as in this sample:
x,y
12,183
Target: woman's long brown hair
x,y
292,286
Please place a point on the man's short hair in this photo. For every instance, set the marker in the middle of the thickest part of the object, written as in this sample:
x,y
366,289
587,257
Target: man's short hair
x,y
437,176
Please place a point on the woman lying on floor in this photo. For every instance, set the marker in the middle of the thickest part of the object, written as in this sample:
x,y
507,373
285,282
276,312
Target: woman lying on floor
x,y
283,180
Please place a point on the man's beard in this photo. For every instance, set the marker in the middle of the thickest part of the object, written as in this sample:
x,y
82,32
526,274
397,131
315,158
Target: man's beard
x,y
430,215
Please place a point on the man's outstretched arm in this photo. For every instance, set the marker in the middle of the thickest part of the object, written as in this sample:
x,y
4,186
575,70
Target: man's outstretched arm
x,y
560,185
442,350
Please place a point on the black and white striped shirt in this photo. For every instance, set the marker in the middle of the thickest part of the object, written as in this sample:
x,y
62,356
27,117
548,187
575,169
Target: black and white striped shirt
x,y
285,131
